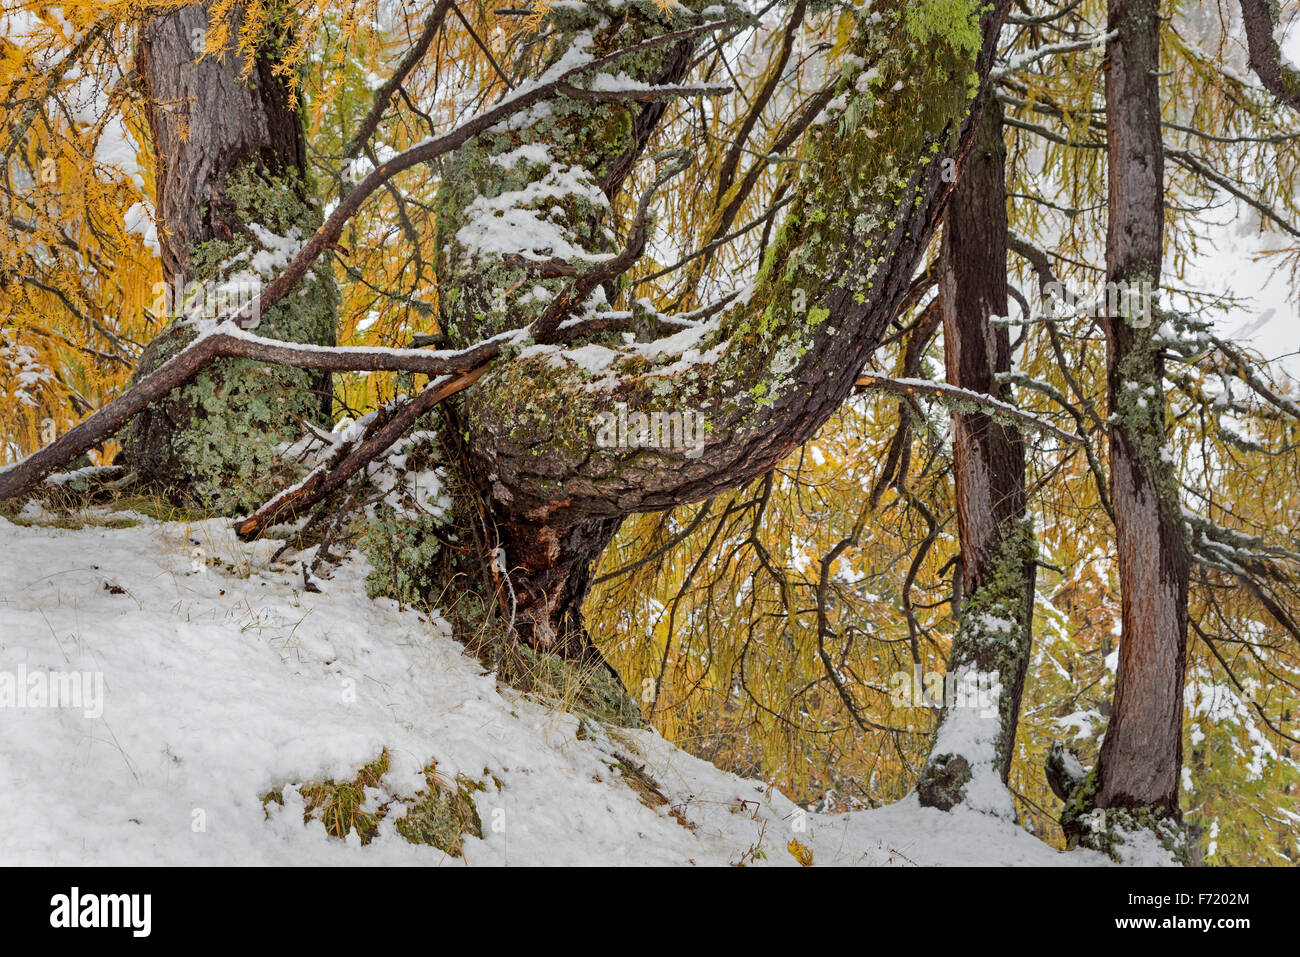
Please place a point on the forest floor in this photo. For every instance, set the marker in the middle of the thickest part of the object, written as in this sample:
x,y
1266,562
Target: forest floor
x,y
211,679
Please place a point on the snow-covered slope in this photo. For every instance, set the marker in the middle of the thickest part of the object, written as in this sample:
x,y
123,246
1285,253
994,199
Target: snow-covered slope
x,y
223,680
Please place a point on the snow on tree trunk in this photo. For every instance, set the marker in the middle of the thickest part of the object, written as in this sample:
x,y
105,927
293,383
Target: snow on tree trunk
x,y
233,207
971,755
1135,783
526,205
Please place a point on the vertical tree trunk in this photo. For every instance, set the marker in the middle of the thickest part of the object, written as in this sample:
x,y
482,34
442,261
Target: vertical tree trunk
x,y
207,121
974,742
1138,770
231,182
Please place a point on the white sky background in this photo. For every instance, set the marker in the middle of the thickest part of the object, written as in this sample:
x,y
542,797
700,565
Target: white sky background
x,y
1269,316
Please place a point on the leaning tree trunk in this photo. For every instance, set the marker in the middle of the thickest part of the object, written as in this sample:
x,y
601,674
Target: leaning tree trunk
x,y
971,755
528,257
1279,75
526,238
1136,779
232,204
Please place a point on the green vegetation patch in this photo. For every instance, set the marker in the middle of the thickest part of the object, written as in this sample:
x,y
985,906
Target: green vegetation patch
x,y
440,815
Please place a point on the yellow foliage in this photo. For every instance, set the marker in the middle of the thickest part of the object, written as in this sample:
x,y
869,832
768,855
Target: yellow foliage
x,y
800,852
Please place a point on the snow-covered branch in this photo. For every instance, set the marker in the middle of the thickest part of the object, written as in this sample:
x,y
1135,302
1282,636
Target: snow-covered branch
x,y
1023,60
996,407
227,338
228,341
368,439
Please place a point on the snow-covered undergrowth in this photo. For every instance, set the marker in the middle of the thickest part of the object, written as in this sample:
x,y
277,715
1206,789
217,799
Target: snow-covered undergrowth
x,y
220,680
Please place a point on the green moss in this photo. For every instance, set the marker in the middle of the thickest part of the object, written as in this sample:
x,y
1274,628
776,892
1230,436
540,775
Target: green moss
x,y
402,536
942,782
869,158
1108,830
440,815
953,22
404,554
1137,400
1078,805
1111,829
1003,598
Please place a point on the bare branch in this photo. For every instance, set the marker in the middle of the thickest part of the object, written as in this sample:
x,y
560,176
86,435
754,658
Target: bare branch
x,y
184,366
432,23
231,343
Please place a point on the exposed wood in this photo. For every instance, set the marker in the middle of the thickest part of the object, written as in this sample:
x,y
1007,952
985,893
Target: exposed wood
x,y
1141,757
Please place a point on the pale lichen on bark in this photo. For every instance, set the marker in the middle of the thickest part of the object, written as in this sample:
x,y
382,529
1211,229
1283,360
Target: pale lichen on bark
x,y
219,437
863,212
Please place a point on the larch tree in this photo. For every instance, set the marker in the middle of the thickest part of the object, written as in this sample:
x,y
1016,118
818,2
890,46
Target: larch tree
x,y
232,197
763,373
971,756
599,409
1137,775
529,264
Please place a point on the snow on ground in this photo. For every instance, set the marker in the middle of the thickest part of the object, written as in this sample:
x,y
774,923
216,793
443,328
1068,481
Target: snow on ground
x,y
212,678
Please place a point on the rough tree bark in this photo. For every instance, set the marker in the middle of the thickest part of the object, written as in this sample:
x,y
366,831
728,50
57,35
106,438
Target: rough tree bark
x,y
1278,76
231,183
526,222
764,374
971,755
1136,779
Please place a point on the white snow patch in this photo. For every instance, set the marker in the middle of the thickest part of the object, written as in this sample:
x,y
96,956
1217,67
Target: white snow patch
x,y
223,683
